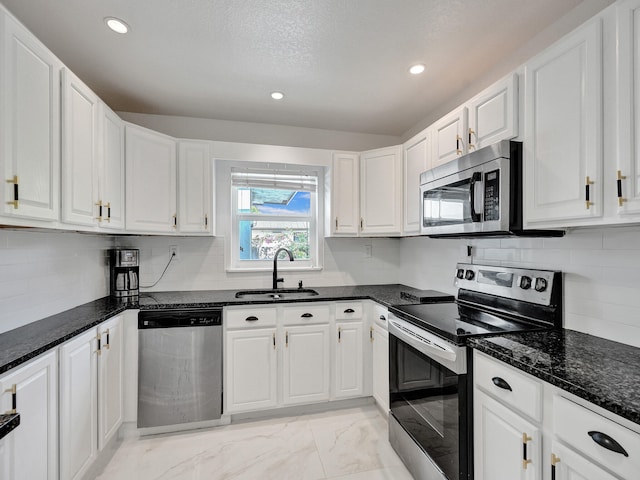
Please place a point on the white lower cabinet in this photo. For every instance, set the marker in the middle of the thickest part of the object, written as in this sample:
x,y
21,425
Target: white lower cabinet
x,y
500,437
251,373
573,440
349,348
306,365
565,464
31,450
90,382
293,354
380,354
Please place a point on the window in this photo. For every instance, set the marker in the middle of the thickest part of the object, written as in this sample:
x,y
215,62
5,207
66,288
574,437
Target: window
x,y
271,210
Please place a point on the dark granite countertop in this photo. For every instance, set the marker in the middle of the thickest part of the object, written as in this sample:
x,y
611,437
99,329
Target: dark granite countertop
x,y
24,343
8,423
603,372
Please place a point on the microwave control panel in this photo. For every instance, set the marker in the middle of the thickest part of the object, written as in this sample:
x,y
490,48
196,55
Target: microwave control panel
x,y
492,195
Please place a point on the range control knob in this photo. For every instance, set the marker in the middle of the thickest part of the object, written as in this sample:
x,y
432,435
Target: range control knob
x,y
541,284
525,282
460,273
469,274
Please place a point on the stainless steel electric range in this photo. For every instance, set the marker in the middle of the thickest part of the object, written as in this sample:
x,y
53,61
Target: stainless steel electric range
x,y
430,370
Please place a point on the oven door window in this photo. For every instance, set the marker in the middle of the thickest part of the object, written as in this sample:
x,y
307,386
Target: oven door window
x,y
427,399
447,205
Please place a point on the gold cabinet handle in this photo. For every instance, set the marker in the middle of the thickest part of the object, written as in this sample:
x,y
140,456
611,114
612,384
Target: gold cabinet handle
x,y
361,223
336,224
339,334
286,339
14,399
587,192
274,340
99,349
99,205
458,140
554,461
471,132
371,333
16,197
206,220
619,179
107,344
108,207
525,461
175,221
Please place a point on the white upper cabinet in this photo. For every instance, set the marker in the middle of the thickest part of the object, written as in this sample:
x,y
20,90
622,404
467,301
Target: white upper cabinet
x,y
563,134
493,114
79,152
29,125
195,193
449,137
416,160
345,196
381,191
151,181
111,179
627,174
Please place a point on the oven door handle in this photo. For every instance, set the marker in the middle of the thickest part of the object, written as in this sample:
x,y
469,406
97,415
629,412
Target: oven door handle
x,y
475,178
421,340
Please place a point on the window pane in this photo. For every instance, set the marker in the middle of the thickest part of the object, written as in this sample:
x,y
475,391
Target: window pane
x,y
259,240
273,201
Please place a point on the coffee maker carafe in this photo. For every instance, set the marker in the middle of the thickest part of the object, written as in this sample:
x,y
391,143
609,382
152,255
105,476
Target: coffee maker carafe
x,y
124,272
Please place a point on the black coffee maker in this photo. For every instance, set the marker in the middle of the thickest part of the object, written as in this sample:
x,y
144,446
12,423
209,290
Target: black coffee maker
x,y
125,270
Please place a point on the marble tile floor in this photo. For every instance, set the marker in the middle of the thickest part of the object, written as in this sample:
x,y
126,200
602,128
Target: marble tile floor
x,y
349,444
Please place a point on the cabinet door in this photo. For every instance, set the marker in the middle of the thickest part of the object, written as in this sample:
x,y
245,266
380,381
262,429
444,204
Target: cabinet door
x,y
306,365
493,114
31,450
565,464
30,129
151,181
78,405
111,172
449,137
250,370
110,380
195,195
349,373
345,196
416,161
381,367
499,436
627,175
381,192
79,152
563,129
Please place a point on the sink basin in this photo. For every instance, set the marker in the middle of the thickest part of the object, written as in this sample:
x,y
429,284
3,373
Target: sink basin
x,y
278,294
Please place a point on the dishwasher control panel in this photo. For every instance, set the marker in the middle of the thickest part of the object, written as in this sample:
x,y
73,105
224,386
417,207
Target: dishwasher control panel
x,y
179,318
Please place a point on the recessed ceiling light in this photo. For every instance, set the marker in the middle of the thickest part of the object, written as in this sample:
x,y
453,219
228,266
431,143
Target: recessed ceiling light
x,y
116,25
416,69
277,95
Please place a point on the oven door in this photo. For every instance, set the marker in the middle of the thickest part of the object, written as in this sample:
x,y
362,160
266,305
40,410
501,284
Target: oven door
x,y
429,400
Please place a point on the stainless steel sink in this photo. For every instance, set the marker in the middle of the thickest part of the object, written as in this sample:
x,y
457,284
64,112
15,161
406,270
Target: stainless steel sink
x,y
278,294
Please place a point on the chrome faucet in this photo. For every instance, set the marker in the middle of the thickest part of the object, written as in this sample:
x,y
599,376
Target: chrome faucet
x,y
276,280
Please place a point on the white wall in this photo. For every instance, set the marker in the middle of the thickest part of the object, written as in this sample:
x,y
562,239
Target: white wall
x,y
260,133
602,272
201,264
45,273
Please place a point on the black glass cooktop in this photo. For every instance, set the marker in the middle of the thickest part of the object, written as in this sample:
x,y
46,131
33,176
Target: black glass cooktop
x,y
456,322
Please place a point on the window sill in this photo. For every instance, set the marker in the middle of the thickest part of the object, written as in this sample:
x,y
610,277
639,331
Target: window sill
x,y
281,269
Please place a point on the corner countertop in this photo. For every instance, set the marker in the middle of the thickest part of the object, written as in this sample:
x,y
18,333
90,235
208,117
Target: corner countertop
x,y
24,343
8,423
601,371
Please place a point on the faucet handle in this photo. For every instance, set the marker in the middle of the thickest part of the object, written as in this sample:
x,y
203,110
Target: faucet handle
x,y
279,280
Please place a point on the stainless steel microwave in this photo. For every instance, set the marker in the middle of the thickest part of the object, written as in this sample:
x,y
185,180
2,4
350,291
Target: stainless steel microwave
x,y
479,194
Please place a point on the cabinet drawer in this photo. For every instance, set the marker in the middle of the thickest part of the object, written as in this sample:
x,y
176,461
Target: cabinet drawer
x,y
507,384
305,314
380,316
250,317
347,310
580,428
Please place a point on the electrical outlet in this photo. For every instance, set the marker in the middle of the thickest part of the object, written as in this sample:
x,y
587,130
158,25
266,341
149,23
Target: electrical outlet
x,y
368,251
173,251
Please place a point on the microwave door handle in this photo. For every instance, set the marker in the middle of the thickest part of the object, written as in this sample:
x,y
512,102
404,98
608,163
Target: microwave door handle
x,y
475,178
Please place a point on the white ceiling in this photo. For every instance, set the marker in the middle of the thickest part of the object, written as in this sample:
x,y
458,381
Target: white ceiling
x,y
341,63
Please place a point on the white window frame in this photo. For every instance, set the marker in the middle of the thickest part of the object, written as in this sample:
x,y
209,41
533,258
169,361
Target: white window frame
x,y
315,227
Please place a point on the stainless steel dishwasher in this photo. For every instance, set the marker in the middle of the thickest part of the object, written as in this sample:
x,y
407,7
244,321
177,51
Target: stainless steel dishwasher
x,y
179,366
